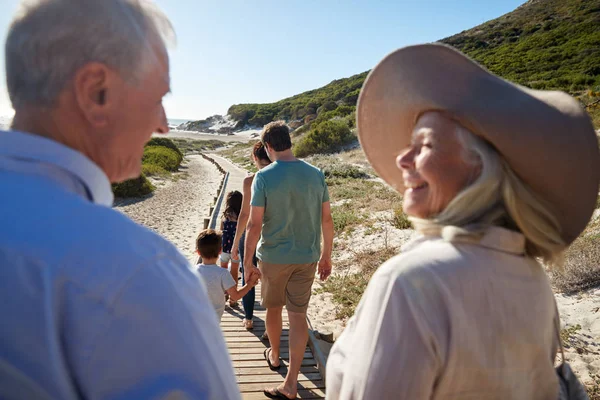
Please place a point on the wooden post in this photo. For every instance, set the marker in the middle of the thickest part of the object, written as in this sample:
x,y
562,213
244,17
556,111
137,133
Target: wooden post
x,y
212,208
206,222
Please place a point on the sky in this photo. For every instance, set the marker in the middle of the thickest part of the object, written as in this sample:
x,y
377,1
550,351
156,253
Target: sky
x,y
238,51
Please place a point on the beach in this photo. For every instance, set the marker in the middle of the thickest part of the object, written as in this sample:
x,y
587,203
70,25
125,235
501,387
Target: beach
x,y
176,210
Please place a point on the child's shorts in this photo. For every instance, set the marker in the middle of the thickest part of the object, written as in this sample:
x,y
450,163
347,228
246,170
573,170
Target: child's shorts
x,y
225,257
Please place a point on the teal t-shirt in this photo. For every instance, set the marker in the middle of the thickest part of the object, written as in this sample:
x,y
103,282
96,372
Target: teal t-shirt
x,y
292,193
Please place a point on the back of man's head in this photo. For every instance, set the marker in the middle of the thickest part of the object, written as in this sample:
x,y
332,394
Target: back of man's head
x,y
277,135
208,244
49,40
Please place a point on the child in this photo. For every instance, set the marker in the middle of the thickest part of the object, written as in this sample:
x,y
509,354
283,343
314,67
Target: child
x,y
217,279
233,205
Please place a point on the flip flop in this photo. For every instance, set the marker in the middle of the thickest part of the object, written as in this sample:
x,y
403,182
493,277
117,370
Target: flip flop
x,y
271,367
277,395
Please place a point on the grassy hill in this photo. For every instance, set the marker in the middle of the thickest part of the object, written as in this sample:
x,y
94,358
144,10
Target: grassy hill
x,y
543,44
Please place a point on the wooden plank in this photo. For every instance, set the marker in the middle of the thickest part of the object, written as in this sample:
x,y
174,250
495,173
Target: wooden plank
x,y
251,339
302,394
256,347
259,387
242,332
275,378
264,370
254,363
260,357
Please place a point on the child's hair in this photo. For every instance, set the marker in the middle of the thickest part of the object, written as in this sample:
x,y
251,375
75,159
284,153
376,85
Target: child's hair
x,y
260,153
233,204
208,243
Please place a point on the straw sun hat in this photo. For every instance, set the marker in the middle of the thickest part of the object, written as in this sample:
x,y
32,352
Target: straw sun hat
x,y
546,137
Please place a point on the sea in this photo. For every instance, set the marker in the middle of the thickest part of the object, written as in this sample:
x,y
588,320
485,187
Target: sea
x,y
174,122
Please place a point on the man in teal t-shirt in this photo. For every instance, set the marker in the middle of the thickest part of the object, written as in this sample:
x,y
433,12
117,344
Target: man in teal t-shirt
x,y
290,204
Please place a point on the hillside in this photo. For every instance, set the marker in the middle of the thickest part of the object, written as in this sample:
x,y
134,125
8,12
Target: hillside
x,y
543,44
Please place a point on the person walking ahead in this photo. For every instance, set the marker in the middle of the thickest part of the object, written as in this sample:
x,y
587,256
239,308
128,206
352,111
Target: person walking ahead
x,y
290,203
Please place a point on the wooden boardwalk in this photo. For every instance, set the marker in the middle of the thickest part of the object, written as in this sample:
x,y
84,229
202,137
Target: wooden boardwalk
x,y
251,370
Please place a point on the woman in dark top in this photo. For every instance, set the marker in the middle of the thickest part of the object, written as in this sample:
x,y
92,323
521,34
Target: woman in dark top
x,y
261,160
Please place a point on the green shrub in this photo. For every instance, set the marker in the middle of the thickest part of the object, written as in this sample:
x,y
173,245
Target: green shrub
x,y
343,218
327,137
163,157
154,170
164,142
337,169
137,187
400,219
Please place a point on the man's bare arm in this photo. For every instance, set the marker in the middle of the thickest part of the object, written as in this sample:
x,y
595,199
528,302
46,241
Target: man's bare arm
x,y
252,235
327,229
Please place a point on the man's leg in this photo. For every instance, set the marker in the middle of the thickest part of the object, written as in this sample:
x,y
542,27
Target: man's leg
x,y
273,292
298,339
298,293
274,325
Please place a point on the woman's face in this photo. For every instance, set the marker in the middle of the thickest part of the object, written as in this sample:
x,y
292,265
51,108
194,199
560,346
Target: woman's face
x,y
433,168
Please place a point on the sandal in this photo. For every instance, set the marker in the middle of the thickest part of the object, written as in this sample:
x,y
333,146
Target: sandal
x,y
271,367
248,324
233,304
264,336
275,393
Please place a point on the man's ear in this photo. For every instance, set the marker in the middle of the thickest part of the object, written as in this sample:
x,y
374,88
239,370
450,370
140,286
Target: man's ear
x,y
91,84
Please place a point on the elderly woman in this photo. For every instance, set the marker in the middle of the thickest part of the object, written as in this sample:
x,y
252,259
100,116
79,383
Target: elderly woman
x,y
496,178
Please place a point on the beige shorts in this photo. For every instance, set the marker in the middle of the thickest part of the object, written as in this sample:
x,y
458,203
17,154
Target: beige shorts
x,y
287,285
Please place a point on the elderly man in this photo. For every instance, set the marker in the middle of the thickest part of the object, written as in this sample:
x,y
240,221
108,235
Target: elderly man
x,y
93,305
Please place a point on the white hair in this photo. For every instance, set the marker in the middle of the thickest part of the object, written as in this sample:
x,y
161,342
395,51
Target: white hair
x,y
49,40
497,197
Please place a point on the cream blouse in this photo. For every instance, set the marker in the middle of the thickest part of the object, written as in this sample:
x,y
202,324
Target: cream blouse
x,y
451,320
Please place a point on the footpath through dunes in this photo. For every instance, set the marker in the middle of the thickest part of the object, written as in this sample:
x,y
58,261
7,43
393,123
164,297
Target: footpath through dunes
x,y
176,210
246,347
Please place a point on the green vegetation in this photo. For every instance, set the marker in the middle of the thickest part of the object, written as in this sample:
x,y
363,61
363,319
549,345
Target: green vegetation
x,y
549,44
347,289
326,137
343,218
307,105
137,187
164,157
400,220
161,157
240,153
191,146
164,142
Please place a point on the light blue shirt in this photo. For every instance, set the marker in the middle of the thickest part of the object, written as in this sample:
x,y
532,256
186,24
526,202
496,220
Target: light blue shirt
x,y
93,305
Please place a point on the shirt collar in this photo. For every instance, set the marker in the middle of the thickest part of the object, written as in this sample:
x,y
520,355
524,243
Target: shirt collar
x,y
34,148
494,237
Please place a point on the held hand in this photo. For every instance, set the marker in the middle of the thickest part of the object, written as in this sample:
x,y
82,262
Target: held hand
x,y
254,280
324,268
256,273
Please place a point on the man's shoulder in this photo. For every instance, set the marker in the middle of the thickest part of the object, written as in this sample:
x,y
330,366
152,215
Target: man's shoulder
x,y
71,225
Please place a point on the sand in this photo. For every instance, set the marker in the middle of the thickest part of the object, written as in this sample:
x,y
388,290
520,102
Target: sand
x,y
176,210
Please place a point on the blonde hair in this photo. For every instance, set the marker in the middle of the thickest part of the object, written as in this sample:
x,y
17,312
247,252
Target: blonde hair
x,y
497,197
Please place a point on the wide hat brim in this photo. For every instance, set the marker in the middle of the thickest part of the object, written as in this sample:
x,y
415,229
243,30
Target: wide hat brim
x,y
546,137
